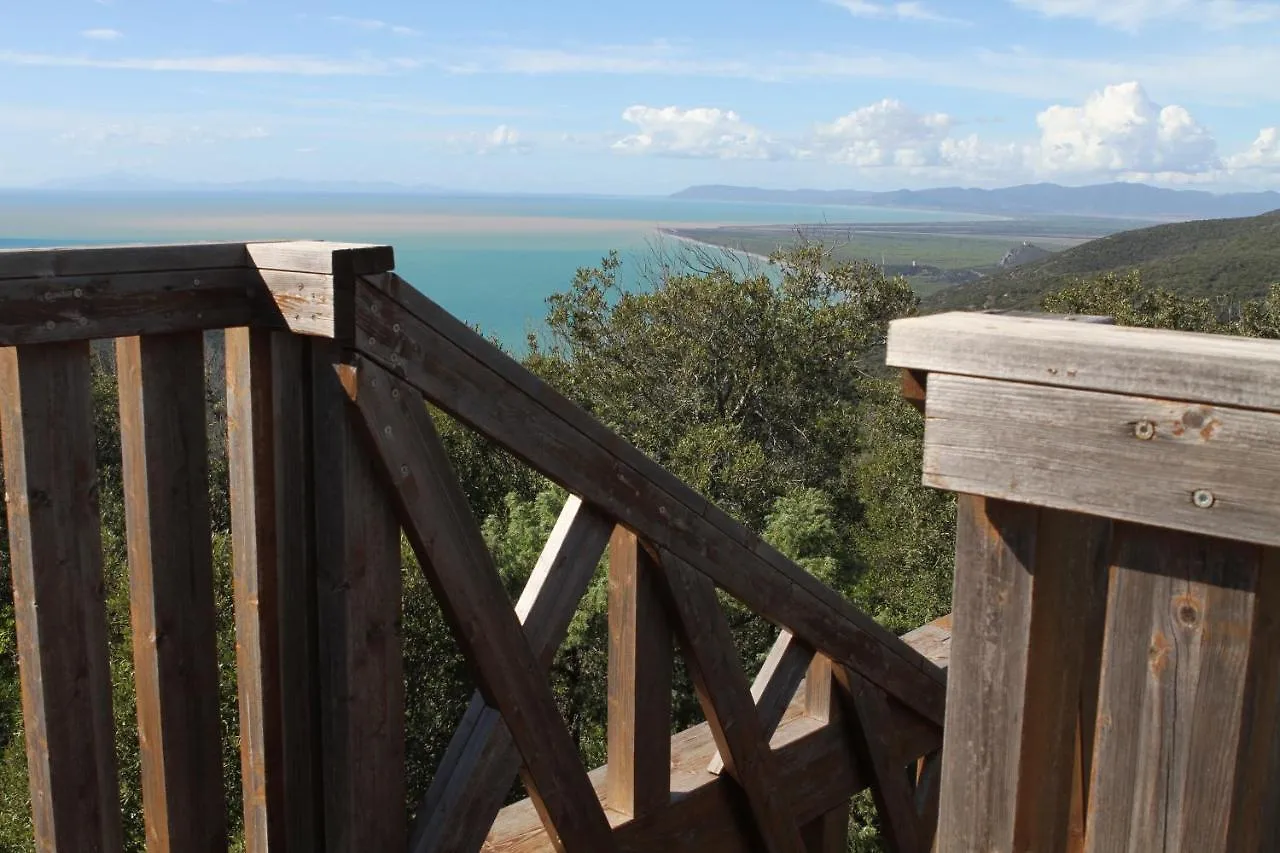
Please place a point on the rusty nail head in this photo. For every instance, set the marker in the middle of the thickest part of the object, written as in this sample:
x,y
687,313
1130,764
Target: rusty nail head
x,y
1144,430
1202,498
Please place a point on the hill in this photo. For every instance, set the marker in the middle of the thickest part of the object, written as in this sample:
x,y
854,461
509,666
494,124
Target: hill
x,y
1233,258
1137,201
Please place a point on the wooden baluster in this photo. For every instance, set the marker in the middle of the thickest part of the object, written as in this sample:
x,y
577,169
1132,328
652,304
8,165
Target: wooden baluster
x,y
639,725
358,625
163,436
268,448
51,489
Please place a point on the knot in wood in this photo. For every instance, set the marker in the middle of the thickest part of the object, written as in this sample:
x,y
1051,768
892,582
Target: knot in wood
x,y
1186,610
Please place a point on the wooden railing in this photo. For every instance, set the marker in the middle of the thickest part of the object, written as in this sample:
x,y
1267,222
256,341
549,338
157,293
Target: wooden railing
x,y
1117,598
329,358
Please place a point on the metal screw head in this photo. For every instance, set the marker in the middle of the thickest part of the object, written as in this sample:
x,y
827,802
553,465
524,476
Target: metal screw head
x,y
404,470
386,431
48,324
197,282
395,393
78,293
1144,430
1202,498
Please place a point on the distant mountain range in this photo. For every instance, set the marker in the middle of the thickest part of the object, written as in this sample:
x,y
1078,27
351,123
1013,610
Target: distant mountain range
x,y
1135,201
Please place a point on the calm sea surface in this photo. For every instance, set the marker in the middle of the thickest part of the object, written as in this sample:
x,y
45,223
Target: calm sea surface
x,y
489,260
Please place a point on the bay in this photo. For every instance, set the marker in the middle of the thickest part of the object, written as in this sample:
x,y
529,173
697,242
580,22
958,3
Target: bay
x,y
490,260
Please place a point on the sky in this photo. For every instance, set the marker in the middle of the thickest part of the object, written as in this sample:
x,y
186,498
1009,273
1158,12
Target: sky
x,y
590,96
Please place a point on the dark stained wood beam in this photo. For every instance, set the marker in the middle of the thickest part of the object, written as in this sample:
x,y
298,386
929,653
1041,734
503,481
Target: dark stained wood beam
x,y
55,548
166,492
444,535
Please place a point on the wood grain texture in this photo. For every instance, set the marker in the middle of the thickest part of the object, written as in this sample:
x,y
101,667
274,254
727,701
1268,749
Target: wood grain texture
x,y
639,689
109,260
313,282
41,310
447,540
476,772
468,377
725,698
1218,370
815,766
321,256
1078,450
871,725
51,491
296,557
1070,568
162,434
268,423
1255,817
775,685
819,700
1179,620
1015,680
361,663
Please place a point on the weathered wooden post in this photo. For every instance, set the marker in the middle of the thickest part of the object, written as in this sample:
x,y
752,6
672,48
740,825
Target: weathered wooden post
x,y
1115,670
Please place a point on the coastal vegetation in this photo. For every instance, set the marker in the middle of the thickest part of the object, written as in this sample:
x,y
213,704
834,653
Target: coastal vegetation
x,y
1229,261
761,387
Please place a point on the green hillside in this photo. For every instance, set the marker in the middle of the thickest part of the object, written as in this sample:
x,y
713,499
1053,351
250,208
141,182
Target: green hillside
x,y
1235,259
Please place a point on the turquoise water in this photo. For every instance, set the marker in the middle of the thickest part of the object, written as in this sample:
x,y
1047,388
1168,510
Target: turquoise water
x,y
489,260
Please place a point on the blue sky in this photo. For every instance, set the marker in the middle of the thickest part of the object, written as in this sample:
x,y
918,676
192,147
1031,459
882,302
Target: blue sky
x,y
578,96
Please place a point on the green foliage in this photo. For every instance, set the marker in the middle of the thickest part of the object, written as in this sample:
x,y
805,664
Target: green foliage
x,y
1228,261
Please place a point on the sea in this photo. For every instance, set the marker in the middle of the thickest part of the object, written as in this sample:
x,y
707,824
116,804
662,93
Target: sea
x,y
490,260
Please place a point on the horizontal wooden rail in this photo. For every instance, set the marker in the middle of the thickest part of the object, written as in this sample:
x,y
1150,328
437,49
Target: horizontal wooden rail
x,y
92,293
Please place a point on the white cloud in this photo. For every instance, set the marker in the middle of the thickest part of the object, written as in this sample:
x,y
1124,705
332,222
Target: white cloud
x,y
1121,130
1263,154
888,135
909,10
373,24
700,132
237,64
884,134
1134,14
502,139
102,34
